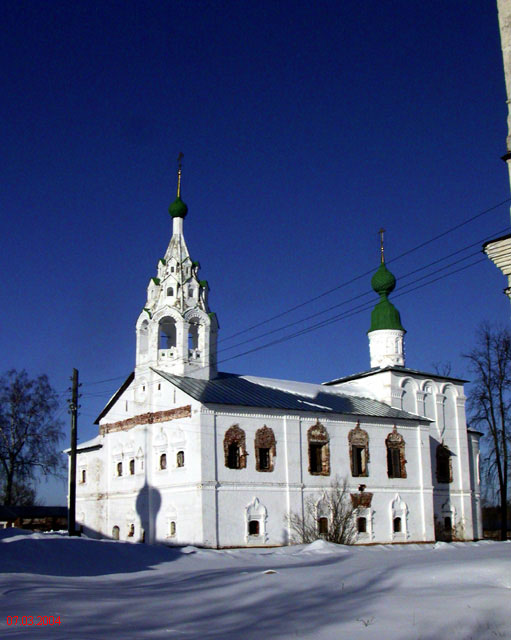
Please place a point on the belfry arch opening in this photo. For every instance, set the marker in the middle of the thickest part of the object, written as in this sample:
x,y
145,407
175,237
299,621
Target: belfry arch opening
x,y
144,336
167,333
193,334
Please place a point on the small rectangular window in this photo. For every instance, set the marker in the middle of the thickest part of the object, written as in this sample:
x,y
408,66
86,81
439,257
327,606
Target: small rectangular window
x,y
83,479
233,456
316,457
393,462
323,526
361,525
359,462
264,458
253,528
396,525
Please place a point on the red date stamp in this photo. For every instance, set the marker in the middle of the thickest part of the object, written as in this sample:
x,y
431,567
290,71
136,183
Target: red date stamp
x,y
35,621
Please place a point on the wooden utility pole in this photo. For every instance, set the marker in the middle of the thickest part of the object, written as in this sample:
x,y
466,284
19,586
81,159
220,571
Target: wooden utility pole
x,y
73,408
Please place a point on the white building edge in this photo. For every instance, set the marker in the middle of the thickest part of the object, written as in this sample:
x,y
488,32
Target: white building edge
x,y
188,455
499,249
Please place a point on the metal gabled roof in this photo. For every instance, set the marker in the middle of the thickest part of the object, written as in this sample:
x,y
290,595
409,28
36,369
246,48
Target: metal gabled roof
x,y
232,389
397,369
116,396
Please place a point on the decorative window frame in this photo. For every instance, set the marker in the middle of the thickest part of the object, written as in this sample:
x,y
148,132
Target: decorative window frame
x,y
396,441
161,447
367,535
117,456
318,435
255,510
265,438
139,461
357,437
361,503
399,509
236,435
171,517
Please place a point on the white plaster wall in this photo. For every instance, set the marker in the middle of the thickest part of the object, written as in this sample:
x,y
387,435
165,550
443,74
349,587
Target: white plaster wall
x,y
146,498
285,488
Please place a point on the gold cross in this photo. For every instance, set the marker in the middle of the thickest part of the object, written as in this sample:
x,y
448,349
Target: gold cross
x,y
179,168
381,232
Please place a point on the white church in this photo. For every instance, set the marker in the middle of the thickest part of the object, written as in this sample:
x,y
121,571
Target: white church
x,y
190,455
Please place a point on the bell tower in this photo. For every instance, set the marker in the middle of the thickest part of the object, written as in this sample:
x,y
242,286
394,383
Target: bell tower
x,y
386,334
176,331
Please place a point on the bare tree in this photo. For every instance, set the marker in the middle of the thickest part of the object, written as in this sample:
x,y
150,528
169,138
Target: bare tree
x,y
489,405
29,432
330,516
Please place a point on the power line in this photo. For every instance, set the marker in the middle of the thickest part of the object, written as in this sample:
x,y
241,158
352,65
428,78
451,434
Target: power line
x,y
366,273
346,283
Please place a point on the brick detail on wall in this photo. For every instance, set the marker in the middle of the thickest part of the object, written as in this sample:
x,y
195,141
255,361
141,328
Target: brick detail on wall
x,y
235,435
361,500
357,437
146,418
396,441
265,438
318,435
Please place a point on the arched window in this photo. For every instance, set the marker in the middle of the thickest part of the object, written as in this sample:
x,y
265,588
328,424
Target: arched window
x,y
163,461
359,451
193,334
115,532
234,448
131,530
119,469
172,531
396,463
443,464
170,291
265,449
132,467
396,525
84,476
180,459
253,528
190,292
319,450
256,516
168,334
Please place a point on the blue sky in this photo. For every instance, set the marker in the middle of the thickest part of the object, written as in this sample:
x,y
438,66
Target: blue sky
x,y
306,126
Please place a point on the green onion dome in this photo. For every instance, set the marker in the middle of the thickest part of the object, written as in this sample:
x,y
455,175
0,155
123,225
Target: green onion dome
x,y
384,315
178,208
383,281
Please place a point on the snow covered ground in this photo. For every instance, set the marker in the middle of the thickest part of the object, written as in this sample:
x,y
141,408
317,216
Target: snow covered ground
x,y
120,591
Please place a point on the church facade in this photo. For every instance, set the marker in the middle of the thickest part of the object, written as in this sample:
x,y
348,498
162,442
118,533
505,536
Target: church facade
x,y
189,455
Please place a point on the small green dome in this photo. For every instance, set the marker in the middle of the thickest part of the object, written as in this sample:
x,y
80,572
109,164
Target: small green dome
x,y
384,315
178,208
383,281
